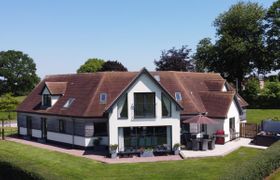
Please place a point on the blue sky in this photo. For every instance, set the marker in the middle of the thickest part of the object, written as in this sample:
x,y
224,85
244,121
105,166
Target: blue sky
x,y
62,35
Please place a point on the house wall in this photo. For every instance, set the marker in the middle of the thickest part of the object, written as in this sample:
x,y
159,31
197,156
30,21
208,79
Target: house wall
x,y
144,84
224,123
83,132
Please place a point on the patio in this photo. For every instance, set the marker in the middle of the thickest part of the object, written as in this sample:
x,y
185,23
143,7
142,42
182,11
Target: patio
x,y
220,150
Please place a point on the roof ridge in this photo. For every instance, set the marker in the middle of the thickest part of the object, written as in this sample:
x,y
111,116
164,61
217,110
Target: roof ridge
x,y
183,87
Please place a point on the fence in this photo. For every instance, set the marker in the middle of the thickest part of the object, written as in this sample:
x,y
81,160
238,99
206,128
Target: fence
x,y
248,130
7,128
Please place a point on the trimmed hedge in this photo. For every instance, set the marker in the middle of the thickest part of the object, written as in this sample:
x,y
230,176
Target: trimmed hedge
x,y
11,172
257,168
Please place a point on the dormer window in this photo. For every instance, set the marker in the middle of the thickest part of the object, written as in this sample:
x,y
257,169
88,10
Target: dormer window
x,y
47,100
178,96
103,98
69,102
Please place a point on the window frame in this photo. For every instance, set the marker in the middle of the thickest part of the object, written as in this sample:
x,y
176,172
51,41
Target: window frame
x,y
101,101
126,109
100,134
162,104
47,100
61,126
145,107
177,93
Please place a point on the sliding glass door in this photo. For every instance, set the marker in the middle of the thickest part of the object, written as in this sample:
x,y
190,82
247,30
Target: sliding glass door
x,y
135,138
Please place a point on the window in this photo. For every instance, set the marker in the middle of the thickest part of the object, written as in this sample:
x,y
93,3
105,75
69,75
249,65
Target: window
x,y
69,102
47,100
103,98
61,126
144,105
122,108
100,129
165,106
178,96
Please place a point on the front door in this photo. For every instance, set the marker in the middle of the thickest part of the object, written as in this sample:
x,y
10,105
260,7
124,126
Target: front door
x,y
44,128
232,128
29,126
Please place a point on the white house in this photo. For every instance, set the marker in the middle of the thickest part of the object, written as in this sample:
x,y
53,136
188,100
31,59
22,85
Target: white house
x,y
130,109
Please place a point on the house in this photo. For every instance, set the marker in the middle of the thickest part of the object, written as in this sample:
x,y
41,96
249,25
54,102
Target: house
x,y
130,109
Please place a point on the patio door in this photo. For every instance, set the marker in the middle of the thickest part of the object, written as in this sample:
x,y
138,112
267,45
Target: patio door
x,y
29,126
44,128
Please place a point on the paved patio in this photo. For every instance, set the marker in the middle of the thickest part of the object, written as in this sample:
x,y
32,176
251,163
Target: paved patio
x,y
220,150
93,155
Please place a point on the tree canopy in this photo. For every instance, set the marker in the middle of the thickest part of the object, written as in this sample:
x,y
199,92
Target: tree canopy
x,y
17,73
8,102
240,48
91,65
175,60
113,66
272,25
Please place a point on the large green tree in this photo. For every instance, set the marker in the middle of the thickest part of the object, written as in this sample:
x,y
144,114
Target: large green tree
x,y
175,60
91,65
8,102
272,25
17,73
239,48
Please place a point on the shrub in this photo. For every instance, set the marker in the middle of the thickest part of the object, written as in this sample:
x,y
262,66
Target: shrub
x,y
258,167
9,171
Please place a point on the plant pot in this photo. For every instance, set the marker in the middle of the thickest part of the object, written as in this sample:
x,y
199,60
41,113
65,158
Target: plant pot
x,y
147,154
177,152
114,155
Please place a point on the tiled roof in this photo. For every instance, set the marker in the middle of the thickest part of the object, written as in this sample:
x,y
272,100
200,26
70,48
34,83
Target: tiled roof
x,y
56,88
199,92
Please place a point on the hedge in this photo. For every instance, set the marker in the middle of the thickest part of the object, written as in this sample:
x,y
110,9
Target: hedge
x,y
257,168
11,172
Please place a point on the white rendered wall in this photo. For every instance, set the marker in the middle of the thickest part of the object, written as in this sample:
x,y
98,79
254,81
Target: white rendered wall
x,y
22,131
223,124
36,133
144,84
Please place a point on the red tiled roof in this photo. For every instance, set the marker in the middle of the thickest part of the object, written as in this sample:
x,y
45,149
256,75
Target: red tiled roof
x,y
56,88
198,92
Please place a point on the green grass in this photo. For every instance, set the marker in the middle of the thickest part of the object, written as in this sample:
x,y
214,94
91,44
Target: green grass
x,y
257,115
275,176
4,115
54,165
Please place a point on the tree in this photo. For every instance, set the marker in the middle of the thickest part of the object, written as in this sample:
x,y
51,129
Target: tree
x,y
17,73
8,102
175,60
272,25
239,49
252,90
205,54
113,66
91,65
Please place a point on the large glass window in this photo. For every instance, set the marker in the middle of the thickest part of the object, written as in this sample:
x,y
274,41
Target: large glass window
x,y
100,129
141,137
144,105
47,100
122,108
165,106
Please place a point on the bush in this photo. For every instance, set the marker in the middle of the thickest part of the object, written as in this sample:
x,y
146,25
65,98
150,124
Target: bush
x,y
259,167
8,171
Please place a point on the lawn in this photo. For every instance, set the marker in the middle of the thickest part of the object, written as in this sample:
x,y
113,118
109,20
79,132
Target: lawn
x,y
54,165
4,115
257,115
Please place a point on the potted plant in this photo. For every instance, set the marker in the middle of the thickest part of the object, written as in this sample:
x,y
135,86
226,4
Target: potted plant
x,y
148,152
113,150
176,149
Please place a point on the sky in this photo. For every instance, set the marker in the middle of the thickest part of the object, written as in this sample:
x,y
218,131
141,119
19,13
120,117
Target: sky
x,y
61,35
